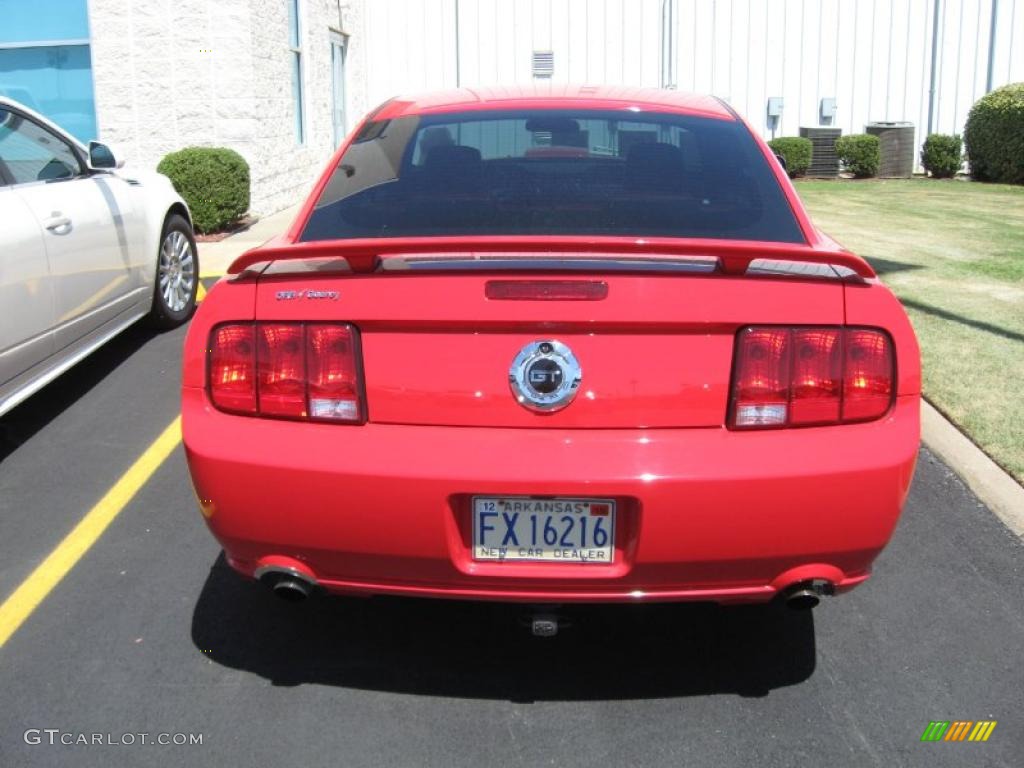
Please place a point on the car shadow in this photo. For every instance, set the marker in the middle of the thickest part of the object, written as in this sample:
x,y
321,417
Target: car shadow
x,y
18,425
995,330
888,266
485,650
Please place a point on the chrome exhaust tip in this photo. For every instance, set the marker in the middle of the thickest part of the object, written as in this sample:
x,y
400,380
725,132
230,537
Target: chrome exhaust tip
x,y
802,599
807,595
291,590
289,584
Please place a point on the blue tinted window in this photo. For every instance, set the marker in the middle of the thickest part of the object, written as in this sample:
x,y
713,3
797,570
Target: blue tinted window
x,y
53,77
555,172
43,20
30,153
55,81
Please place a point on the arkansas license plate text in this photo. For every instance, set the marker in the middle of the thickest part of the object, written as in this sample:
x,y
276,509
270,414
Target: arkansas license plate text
x,y
547,530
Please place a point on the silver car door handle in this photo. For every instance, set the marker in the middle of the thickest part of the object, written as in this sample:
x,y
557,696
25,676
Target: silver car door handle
x,y
58,224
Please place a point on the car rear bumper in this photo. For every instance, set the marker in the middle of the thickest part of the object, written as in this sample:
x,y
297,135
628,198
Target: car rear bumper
x,y
703,514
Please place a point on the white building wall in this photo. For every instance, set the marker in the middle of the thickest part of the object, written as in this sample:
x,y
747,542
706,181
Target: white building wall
x,y
171,74
412,43
175,73
872,56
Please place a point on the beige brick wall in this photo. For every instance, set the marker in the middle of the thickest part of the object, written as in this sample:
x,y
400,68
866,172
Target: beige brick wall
x,y
175,73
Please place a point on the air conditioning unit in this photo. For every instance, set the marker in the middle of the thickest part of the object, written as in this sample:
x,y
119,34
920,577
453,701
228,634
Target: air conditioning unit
x,y
896,143
824,160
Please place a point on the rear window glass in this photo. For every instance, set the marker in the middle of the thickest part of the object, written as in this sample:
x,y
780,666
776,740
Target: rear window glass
x,y
554,173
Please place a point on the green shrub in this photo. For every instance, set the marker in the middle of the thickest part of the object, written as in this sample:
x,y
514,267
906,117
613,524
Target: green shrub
x,y
860,154
796,151
940,155
994,136
213,181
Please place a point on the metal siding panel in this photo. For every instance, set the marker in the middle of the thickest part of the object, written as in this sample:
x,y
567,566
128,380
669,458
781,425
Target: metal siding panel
x,y
561,43
793,114
686,39
502,43
810,69
613,43
417,75
447,57
487,30
577,51
860,100
702,48
754,75
595,42
633,53
946,65
721,50
774,62
872,56
540,17
649,41
922,43
1015,44
828,43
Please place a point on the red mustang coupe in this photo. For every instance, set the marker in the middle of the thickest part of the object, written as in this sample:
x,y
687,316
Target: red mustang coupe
x,y
553,346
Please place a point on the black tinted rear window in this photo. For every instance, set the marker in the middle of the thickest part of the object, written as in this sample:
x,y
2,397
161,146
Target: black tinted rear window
x,y
554,173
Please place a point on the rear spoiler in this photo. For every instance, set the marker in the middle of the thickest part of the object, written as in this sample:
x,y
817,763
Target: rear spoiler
x,y
366,255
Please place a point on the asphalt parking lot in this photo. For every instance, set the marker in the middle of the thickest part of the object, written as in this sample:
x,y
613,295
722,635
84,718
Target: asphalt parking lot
x,y
150,632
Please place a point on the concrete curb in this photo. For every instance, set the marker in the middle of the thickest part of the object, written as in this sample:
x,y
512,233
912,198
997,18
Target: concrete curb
x,y
989,482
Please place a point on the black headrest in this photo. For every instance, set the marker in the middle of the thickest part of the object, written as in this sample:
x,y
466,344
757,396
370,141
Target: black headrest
x,y
452,158
655,168
651,154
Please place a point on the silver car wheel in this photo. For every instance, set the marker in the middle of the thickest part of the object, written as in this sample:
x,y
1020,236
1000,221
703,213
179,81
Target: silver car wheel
x,y
177,274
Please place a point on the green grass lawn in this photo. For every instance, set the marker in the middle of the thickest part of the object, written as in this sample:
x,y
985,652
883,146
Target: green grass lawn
x,y
953,251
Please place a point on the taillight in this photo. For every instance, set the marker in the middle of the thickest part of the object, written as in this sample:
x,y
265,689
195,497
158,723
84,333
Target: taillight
x,y
233,368
287,370
333,376
281,369
867,377
787,377
816,377
761,382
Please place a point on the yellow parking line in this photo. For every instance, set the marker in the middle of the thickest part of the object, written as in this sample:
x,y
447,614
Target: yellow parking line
x,y
60,561
201,289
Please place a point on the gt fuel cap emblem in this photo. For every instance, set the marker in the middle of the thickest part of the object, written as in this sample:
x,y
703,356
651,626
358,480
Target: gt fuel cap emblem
x,y
545,376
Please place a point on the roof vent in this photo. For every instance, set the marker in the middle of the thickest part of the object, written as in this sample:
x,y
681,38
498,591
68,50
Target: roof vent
x,y
543,63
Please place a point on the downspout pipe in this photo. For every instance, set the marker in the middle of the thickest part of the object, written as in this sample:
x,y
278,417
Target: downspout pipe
x,y
935,55
458,45
668,33
991,46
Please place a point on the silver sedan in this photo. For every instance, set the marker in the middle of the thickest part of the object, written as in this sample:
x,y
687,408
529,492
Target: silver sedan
x,y
86,250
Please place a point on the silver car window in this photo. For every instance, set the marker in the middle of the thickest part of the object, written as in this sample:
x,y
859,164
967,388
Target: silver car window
x,y
30,153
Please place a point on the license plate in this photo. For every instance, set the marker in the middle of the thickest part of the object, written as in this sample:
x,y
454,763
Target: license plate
x,y
548,530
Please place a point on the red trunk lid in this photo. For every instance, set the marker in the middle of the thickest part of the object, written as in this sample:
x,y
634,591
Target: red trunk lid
x,y
655,352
